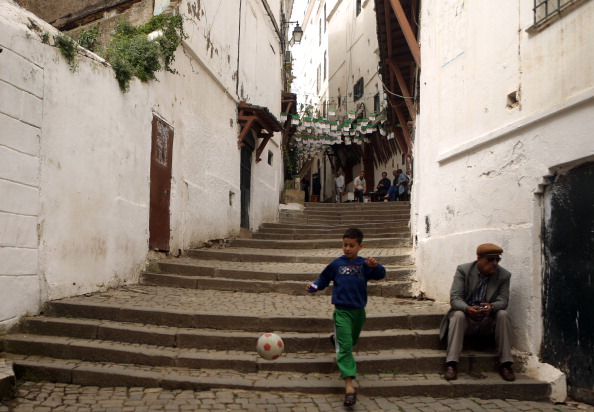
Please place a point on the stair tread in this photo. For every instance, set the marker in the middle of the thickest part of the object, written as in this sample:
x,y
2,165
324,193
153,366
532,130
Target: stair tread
x,y
251,355
136,326
195,301
288,267
268,378
248,280
330,253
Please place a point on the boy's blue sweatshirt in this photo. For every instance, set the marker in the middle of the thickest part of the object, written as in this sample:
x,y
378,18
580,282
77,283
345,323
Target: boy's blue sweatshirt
x,y
350,281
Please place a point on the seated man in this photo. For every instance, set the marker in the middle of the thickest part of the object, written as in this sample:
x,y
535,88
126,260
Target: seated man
x,y
478,299
382,187
399,186
360,187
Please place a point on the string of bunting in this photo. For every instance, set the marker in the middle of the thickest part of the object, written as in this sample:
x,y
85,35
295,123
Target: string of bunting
x,y
315,134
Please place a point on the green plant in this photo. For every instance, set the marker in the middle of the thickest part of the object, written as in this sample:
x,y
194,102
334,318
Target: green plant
x,y
89,38
67,48
44,38
131,53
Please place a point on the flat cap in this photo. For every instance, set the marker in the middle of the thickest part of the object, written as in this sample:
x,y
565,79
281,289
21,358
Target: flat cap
x,y
488,249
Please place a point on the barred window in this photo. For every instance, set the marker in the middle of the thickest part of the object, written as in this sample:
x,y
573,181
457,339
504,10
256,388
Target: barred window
x,y
358,89
546,9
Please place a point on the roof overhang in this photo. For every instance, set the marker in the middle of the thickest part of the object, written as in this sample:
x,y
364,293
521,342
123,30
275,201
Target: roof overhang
x,y
400,60
257,119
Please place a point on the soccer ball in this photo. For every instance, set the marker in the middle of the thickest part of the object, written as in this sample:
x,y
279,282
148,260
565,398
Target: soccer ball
x,y
270,346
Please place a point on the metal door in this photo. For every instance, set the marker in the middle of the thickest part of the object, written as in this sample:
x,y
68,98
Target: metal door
x,y
161,156
245,182
568,290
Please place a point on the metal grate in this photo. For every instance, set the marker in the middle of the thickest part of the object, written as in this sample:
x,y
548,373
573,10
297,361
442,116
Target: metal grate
x,y
543,9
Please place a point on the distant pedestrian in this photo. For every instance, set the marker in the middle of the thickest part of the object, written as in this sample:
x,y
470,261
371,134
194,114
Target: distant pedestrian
x,y
305,187
360,186
339,183
349,274
399,186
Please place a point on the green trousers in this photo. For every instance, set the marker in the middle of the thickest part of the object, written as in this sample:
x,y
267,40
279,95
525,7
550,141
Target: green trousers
x,y
347,328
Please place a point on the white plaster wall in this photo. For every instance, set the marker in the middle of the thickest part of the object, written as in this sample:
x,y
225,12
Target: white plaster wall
x,y
76,158
21,100
478,163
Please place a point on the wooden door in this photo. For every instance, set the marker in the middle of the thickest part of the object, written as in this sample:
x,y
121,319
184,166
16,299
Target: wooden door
x,y
160,187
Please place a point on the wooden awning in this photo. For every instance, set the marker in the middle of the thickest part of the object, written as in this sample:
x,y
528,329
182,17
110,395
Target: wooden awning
x,y
257,119
289,106
400,59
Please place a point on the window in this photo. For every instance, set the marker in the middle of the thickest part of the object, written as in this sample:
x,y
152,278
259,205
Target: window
x,y
324,17
376,103
319,79
339,99
270,155
325,62
544,9
358,90
320,33
358,7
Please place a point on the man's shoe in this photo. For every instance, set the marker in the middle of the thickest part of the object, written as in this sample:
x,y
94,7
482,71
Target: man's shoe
x,y
451,372
507,373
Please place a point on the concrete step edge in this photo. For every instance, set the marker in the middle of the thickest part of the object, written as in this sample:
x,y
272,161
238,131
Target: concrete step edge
x,y
251,323
489,386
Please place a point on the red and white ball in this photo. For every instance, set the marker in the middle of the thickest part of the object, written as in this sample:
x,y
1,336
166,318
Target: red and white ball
x,y
270,346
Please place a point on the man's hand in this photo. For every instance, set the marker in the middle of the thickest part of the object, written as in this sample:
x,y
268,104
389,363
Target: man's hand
x,y
473,311
487,308
371,262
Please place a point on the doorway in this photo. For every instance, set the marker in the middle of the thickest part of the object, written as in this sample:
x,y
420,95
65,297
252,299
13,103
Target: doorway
x,y
568,286
160,186
245,181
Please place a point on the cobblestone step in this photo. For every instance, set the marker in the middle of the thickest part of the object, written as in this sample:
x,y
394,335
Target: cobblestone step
x,y
484,385
386,242
376,361
392,289
189,308
346,221
199,338
385,256
305,234
335,229
358,206
257,270
362,216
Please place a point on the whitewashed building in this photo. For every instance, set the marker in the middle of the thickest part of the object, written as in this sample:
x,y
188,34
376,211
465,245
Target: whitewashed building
x,y
78,181
504,154
336,73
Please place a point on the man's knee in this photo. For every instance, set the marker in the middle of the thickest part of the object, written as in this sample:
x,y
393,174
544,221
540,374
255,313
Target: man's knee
x,y
457,316
502,315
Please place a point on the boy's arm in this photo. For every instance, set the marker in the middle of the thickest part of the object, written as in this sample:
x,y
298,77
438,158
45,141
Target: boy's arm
x,y
323,280
374,271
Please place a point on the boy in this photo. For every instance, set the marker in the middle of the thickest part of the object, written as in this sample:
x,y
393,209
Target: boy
x,y
350,274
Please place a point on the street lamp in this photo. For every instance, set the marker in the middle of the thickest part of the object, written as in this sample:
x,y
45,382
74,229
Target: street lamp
x,y
297,33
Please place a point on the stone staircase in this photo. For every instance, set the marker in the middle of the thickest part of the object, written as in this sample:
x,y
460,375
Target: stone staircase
x,y
193,322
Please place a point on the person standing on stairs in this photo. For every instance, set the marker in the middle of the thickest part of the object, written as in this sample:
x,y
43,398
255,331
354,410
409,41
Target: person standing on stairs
x,y
349,274
478,299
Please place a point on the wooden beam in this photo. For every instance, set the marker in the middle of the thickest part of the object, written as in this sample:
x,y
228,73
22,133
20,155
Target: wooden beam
x,y
404,89
265,139
405,131
246,128
409,35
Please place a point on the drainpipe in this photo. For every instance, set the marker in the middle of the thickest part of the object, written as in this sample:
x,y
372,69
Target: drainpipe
x,y
238,51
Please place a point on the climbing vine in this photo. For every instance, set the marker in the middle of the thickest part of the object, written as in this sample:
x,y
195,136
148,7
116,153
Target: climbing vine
x,y
89,38
67,48
132,54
